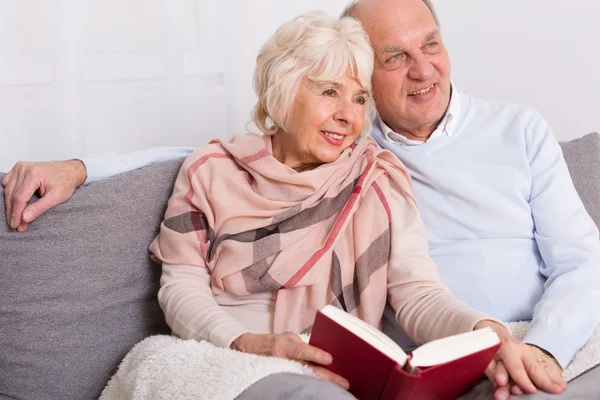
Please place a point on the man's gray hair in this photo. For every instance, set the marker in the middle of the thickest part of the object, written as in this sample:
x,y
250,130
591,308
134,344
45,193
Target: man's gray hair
x,y
349,10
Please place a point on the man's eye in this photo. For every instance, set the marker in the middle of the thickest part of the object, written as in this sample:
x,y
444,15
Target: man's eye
x,y
431,45
329,92
395,58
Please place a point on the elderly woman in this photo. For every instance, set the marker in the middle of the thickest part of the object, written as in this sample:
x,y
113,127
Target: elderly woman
x,y
264,230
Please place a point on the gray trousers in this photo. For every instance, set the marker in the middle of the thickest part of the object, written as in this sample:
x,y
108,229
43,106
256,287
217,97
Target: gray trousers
x,y
586,386
286,386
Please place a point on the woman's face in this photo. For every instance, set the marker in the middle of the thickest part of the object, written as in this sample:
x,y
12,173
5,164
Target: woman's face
x,y
326,118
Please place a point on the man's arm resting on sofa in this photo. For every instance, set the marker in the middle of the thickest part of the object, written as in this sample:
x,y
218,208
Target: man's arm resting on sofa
x,y
57,180
108,165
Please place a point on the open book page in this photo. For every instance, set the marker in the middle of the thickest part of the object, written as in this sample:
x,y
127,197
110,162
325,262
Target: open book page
x,y
368,333
447,349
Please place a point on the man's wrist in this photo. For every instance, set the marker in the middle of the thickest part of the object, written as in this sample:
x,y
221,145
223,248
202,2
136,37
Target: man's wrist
x,y
80,171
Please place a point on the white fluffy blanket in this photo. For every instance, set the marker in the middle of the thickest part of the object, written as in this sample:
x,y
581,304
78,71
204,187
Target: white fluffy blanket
x,y
164,367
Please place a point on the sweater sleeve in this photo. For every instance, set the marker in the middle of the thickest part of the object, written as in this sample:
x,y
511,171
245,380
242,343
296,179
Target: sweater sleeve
x,y
108,165
191,309
424,307
567,238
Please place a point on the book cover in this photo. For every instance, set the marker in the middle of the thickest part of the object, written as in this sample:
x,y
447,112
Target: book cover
x,y
376,372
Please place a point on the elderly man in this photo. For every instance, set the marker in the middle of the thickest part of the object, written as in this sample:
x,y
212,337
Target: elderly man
x,y
506,227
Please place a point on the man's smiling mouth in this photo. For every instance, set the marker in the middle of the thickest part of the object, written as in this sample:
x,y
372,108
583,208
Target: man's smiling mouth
x,y
422,91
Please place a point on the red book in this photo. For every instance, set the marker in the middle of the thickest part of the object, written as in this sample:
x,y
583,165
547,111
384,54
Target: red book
x,y
377,368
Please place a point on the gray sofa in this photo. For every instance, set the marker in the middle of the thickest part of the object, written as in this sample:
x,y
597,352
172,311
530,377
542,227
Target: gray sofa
x,y
78,290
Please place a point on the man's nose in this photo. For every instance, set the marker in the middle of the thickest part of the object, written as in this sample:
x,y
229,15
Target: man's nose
x,y
421,69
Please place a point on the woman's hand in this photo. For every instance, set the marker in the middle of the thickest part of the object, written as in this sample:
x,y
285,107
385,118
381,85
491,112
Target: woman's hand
x,y
520,368
292,347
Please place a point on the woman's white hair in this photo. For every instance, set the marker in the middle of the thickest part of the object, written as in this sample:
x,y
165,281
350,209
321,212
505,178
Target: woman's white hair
x,y
315,46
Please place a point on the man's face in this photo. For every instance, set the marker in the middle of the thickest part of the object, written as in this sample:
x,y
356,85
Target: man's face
x,y
411,78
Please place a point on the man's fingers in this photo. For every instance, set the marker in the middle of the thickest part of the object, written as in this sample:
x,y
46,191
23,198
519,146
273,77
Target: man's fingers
x,y
22,227
516,390
327,375
8,205
24,192
9,188
490,371
498,375
501,375
554,373
539,373
34,210
6,178
502,393
9,198
24,179
4,182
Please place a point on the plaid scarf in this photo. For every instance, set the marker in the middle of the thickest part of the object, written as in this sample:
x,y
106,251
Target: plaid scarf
x,y
316,237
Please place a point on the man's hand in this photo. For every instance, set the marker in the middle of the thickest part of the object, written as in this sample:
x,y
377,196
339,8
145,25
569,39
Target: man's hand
x,y
55,182
520,368
290,346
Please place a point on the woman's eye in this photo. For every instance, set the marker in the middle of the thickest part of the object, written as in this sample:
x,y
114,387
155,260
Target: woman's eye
x,y
329,92
361,100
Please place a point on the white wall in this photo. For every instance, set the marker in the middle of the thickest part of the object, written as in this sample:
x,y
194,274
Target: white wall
x,y
89,76
81,77
544,53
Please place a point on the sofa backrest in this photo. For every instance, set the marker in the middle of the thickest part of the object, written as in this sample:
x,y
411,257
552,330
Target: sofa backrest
x,y
78,289
583,158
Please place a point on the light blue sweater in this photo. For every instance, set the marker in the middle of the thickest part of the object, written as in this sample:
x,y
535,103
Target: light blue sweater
x,y
506,227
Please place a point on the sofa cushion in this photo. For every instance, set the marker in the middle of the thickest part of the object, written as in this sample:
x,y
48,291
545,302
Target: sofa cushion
x,y
78,289
583,158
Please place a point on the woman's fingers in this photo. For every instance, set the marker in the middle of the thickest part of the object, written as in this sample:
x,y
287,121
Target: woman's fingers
x,y
284,345
290,345
327,375
296,349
